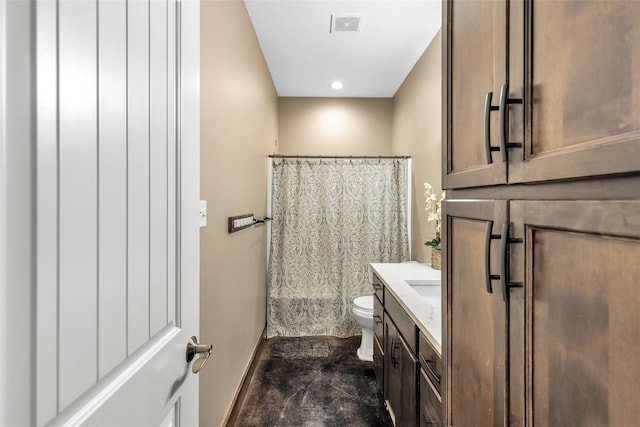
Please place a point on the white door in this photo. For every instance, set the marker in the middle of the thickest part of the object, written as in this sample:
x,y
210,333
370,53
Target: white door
x,y
99,186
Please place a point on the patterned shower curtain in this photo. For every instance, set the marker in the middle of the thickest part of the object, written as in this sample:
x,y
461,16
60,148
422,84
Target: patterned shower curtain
x,y
331,218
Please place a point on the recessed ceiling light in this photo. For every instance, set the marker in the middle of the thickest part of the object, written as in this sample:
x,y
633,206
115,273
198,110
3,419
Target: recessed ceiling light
x,y
336,85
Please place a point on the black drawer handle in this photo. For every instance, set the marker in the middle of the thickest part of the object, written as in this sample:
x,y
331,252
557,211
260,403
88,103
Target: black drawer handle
x,y
427,363
488,108
504,101
377,319
377,287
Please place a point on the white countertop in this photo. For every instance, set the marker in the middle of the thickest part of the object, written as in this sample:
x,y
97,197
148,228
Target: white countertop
x,y
426,315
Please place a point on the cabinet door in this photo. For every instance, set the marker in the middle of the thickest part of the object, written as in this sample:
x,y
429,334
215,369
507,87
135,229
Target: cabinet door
x,y
474,64
581,327
392,373
476,322
577,63
409,364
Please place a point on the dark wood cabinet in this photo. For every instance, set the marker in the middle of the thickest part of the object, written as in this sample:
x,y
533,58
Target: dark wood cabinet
x,y
409,396
542,326
570,73
400,372
579,319
476,313
397,346
474,70
392,369
400,377
555,342
575,64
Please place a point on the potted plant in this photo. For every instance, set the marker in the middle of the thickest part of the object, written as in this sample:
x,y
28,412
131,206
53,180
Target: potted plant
x,y
433,206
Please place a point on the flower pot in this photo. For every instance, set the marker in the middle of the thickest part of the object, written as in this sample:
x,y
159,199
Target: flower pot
x,y
436,259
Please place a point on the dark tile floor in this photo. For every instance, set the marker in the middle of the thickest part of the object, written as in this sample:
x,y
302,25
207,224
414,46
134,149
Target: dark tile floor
x,y
312,382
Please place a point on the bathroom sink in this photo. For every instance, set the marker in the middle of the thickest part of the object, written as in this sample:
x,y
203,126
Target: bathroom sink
x,y
430,290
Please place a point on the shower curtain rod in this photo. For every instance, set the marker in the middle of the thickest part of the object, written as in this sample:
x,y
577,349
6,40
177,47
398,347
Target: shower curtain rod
x,y
289,156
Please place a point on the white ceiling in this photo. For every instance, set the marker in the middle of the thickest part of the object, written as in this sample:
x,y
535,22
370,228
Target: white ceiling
x,y
304,58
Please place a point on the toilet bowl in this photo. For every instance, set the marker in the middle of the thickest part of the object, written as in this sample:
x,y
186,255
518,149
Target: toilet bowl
x,y
363,313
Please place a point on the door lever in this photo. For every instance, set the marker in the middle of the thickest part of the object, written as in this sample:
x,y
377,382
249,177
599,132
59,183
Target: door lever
x,y
204,350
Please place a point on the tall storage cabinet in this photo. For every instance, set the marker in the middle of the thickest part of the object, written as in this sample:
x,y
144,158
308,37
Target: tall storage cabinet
x,y
541,160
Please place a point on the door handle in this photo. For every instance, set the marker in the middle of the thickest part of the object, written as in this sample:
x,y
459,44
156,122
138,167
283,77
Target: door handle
x,y
204,350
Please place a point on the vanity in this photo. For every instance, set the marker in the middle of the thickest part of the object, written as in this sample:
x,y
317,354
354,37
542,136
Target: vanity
x,y
407,341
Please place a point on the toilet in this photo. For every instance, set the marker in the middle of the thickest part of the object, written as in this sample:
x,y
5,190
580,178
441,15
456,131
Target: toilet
x,y
363,313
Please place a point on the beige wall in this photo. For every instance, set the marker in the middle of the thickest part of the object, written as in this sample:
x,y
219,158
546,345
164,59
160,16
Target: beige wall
x,y
417,132
239,128
335,126
241,120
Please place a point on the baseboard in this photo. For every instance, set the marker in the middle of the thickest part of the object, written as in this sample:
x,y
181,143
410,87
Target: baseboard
x,y
232,416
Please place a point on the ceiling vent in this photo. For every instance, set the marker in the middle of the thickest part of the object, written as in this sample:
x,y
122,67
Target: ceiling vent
x,y
344,23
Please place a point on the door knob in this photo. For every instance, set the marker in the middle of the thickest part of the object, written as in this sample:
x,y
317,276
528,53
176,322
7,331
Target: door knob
x,y
193,348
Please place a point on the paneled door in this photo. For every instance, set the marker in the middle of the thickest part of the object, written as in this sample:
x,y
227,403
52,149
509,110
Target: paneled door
x,y
582,324
577,64
475,68
476,324
99,198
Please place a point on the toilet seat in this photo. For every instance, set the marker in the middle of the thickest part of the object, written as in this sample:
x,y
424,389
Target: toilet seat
x,y
364,303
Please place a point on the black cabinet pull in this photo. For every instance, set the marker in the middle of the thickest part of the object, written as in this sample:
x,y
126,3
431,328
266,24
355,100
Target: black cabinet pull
x,y
504,101
488,108
394,359
435,375
376,287
377,319
487,257
393,352
504,262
